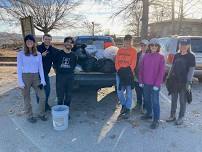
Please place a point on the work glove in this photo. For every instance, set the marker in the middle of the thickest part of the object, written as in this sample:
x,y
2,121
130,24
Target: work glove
x,y
141,85
155,88
188,86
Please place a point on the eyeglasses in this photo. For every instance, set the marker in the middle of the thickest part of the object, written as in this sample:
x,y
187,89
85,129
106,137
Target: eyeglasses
x,y
156,45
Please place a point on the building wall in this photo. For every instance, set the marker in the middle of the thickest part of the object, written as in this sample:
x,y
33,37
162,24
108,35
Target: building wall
x,y
165,29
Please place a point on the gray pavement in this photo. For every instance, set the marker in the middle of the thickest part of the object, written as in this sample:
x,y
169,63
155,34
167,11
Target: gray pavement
x,y
94,127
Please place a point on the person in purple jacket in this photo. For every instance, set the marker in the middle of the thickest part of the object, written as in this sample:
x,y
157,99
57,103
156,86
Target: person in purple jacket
x,y
151,73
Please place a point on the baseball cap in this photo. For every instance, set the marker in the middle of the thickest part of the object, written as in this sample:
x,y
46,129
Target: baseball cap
x,y
144,41
184,41
154,41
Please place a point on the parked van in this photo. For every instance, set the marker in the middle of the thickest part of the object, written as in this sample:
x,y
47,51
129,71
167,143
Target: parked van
x,y
169,47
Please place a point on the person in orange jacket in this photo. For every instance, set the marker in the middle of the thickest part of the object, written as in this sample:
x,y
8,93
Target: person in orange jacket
x,y
125,63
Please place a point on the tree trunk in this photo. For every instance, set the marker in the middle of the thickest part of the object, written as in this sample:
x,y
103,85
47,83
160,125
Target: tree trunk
x,y
173,17
145,19
181,17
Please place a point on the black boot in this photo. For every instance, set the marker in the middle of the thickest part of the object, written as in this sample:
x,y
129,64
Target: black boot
x,y
146,117
155,124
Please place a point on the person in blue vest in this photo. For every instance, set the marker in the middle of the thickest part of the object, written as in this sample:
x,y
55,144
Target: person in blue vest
x,y
47,51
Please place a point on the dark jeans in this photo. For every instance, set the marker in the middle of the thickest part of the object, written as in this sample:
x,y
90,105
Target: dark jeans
x,y
139,93
46,88
64,86
151,98
183,102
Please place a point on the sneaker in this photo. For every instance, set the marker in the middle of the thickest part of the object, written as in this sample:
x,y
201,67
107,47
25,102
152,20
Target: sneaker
x,y
146,117
154,125
171,119
179,121
32,120
43,118
123,110
126,115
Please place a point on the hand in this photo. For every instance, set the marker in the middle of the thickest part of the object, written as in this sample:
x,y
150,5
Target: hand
x,y
21,86
188,86
43,83
155,88
44,53
141,85
40,86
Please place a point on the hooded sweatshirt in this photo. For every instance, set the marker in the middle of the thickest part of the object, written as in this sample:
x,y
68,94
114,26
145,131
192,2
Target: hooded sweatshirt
x,y
126,58
152,69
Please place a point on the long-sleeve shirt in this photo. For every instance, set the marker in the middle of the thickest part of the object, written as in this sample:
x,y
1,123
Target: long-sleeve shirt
x,y
126,58
48,59
29,64
152,69
65,63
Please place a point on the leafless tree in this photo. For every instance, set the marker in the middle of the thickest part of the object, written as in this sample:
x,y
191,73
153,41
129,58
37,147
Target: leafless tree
x,y
91,27
47,14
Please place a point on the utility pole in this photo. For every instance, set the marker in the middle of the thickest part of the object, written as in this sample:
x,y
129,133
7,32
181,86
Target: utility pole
x,y
93,29
173,16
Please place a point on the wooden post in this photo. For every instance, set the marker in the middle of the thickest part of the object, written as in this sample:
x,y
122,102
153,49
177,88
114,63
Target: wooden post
x,y
27,26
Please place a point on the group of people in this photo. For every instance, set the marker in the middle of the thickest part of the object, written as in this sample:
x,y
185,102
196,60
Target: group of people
x,y
143,70
33,68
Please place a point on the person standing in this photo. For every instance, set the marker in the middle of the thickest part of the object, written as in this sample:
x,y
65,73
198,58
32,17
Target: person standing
x,y
139,91
47,51
151,75
31,74
181,75
125,63
65,62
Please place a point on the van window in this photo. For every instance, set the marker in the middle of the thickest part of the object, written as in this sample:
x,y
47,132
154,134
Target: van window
x,y
196,45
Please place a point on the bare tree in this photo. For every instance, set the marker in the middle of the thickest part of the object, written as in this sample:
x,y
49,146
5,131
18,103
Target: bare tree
x,y
91,27
134,20
125,8
47,14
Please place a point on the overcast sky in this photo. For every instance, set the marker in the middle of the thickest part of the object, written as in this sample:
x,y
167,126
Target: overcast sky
x,y
98,11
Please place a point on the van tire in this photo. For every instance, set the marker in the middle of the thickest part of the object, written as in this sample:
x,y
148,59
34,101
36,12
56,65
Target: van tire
x,y
200,80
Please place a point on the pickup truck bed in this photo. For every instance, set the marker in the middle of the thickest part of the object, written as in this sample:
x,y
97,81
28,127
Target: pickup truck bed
x,y
94,80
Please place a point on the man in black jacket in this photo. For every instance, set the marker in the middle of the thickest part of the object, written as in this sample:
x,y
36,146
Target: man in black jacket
x,y
47,51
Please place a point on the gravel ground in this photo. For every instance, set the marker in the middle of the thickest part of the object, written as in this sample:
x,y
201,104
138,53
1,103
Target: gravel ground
x,y
94,126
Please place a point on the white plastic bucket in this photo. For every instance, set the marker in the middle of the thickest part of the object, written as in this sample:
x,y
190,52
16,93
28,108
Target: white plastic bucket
x,y
60,115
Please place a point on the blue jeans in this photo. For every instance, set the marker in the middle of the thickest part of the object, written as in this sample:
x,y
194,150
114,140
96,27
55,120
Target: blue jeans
x,y
124,98
46,88
139,93
151,98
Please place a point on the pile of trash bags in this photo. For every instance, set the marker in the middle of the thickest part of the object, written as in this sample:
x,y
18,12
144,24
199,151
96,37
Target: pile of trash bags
x,y
94,58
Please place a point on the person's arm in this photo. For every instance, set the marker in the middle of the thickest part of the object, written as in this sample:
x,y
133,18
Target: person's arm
x,y
19,70
41,72
117,62
190,74
141,71
159,78
133,60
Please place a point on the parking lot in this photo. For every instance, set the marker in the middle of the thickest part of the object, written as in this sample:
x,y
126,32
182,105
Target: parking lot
x,y
94,127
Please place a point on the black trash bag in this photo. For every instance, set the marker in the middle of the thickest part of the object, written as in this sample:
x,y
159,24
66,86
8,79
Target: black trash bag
x,y
89,64
105,66
80,52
